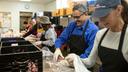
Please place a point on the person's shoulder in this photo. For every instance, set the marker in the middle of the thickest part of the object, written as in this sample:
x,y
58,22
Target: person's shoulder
x,y
50,29
101,32
92,25
127,31
71,23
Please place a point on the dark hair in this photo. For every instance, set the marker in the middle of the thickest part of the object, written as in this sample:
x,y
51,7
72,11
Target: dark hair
x,y
80,7
125,11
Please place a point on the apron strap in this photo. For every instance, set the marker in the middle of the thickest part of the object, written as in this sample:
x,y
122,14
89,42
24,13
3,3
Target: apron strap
x,y
85,29
122,37
102,37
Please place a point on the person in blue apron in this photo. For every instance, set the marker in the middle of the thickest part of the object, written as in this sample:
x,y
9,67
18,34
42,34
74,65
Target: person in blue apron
x,y
111,43
78,35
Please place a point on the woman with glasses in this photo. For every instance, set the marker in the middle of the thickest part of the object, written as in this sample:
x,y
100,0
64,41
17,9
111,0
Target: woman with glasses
x,y
78,35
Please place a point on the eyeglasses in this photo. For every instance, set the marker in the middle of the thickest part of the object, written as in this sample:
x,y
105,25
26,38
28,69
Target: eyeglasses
x,y
77,17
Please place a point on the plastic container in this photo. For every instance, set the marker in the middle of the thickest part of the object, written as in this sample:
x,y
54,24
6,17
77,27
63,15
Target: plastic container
x,y
22,58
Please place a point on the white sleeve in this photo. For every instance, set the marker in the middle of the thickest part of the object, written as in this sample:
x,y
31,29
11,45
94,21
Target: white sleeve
x,y
50,36
125,46
48,42
53,35
90,61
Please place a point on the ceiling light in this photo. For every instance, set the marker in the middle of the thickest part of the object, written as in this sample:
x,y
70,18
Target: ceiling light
x,y
25,0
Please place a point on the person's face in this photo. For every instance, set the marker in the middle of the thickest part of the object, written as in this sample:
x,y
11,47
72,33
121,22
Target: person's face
x,y
25,25
107,20
111,20
79,17
46,26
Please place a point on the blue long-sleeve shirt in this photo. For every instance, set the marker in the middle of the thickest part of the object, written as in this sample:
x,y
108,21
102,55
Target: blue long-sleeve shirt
x,y
75,30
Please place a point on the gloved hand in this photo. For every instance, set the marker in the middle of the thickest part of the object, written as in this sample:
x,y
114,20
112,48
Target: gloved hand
x,y
70,58
57,55
30,38
38,43
26,38
64,63
75,61
48,43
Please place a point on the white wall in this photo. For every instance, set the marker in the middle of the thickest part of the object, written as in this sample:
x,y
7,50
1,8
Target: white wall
x,y
15,8
50,6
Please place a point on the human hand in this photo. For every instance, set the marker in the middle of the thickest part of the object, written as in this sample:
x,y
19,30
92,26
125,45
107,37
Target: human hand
x,y
64,62
75,61
57,55
70,58
38,43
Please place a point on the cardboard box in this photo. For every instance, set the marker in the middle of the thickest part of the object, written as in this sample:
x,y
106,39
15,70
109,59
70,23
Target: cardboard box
x,y
62,12
68,11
